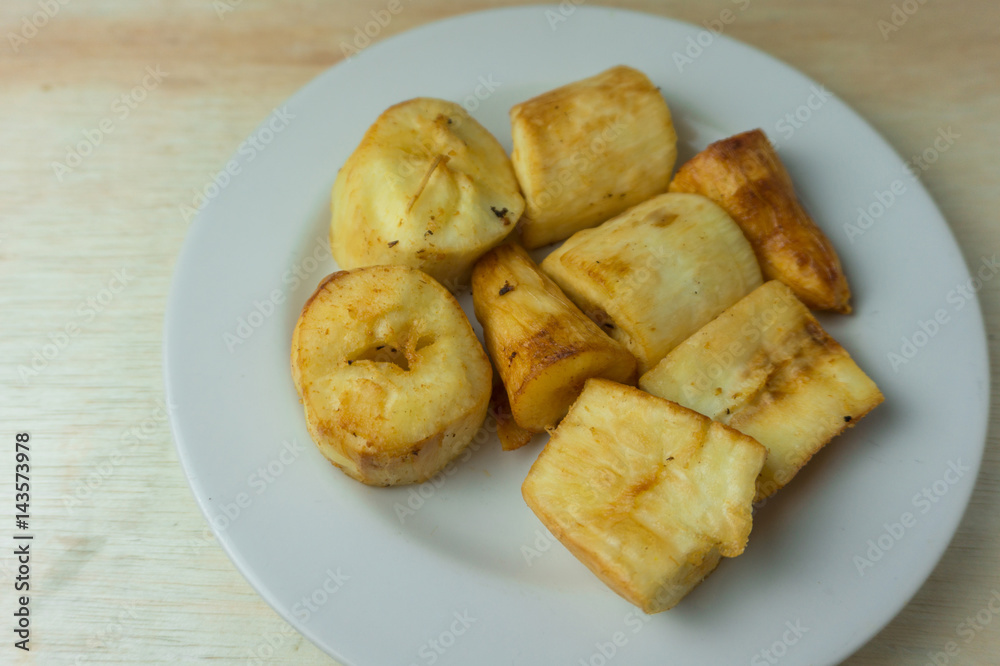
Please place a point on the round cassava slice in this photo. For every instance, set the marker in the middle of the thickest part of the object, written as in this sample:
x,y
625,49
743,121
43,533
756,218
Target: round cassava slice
x,y
392,378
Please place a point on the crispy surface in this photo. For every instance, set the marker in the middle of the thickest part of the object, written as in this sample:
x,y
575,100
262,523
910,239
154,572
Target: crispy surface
x,y
511,435
543,347
767,368
392,378
656,273
744,175
428,187
646,493
588,150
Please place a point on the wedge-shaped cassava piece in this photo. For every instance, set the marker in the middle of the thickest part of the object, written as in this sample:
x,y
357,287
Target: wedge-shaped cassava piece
x,y
767,368
543,347
646,493
657,273
511,435
429,187
392,378
588,150
744,175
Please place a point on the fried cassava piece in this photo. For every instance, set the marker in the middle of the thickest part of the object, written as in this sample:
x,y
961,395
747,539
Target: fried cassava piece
x,y
428,187
658,272
646,493
392,378
543,347
589,150
767,368
744,175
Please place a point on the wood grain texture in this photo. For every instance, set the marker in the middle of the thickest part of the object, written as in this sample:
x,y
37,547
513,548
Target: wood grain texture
x,y
125,570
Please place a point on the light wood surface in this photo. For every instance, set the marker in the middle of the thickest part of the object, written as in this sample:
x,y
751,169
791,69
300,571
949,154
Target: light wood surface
x,y
122,571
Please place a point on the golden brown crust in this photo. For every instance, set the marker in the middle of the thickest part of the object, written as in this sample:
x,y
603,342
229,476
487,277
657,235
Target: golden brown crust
x,y
589,150
655,274
766,367
511,435
427,187
542,345
744,175
321,286
646,493
393,382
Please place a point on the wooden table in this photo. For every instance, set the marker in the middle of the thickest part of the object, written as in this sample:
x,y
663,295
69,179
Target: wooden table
x,y
164,92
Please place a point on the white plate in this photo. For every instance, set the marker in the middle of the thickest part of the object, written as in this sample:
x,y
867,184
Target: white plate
x,y
393,589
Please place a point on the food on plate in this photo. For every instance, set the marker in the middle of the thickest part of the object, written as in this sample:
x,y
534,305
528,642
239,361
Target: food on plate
x,y
543,347
588,150
744,175
391,375
739,385
511,435
646,493
429,187
656,273
767,368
